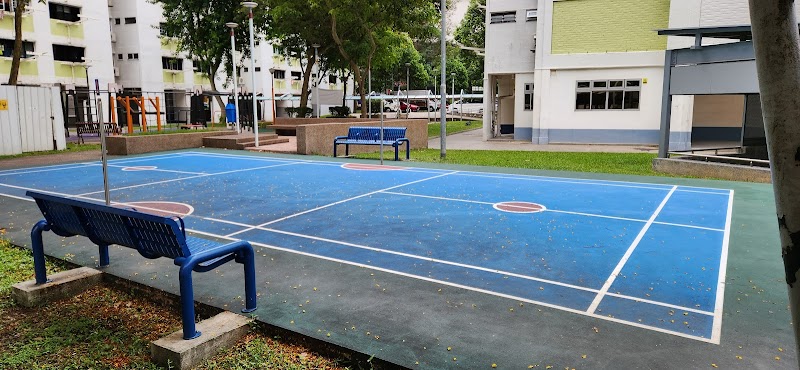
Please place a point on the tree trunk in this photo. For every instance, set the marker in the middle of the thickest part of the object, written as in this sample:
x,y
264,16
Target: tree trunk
x,y
777,49
219,98
16,55
344,89
306,79
353,66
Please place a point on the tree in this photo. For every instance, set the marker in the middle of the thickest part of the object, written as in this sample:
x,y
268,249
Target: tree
x,y
16,54
296,26
777,49
199,28
356,26
472,33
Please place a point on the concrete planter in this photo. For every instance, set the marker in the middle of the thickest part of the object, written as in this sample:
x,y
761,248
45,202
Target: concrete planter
x,y
317,139
129,145
712,170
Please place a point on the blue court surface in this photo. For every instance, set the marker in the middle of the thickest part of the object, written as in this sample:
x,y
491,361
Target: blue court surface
x,y
646,255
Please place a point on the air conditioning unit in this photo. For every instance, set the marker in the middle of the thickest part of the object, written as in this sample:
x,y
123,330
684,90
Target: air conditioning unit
x,y
116,71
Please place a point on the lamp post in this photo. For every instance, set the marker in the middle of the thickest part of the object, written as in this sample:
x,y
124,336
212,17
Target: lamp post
x,y
408,87
443,41
316,80
274,105
250,5
233,26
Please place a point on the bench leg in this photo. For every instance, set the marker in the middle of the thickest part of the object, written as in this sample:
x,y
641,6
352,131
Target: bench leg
x,y
334,150
37,245
104,260
408,150
396,150
347,150
249,262
187,302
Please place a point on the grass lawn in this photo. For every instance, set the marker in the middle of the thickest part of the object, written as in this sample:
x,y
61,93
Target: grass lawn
x,y
105,328
616,163
453,127
71,148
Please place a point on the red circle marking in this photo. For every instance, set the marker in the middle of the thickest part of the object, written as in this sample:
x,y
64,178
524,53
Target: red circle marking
x,y
370,167
140,168
519,207
165,209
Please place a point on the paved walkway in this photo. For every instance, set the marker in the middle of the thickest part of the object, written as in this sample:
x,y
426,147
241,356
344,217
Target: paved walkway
x,y
473,140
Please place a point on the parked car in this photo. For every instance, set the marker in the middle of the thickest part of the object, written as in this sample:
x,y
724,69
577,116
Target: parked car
x,y
404,107
469,108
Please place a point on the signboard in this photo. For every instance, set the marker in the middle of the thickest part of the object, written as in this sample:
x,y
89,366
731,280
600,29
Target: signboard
x,y
477,89
3,104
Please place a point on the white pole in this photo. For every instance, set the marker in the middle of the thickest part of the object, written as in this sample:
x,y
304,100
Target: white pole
x,y
369,74
461,110
382,132
235,76
103,151
250,5
443,124
316,80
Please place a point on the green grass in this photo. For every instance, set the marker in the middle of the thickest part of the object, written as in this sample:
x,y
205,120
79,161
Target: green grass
x,y
453,127
105,328
615,163
71,148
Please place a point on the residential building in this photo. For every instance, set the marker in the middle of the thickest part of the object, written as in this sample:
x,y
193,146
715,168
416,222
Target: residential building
x,y
592,70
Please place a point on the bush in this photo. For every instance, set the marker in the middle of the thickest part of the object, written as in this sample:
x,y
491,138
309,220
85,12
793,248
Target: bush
x,y
303,112
340,112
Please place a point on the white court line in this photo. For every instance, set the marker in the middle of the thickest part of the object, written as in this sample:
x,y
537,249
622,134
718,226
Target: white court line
x,y
24,171
556,211
663,304
465,287
580,312
344,201
653,186
157,170
311,162
628,253
716,330
190,177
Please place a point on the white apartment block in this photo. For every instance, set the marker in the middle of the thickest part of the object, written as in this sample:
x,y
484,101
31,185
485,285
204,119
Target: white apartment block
x,y
72,43
592,71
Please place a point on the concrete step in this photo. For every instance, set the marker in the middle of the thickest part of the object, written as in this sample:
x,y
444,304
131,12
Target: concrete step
x,y
237,141
262,142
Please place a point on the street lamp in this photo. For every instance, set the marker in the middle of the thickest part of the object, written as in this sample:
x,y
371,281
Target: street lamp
x,y
274,105
408,87
250,5
316,80
233,26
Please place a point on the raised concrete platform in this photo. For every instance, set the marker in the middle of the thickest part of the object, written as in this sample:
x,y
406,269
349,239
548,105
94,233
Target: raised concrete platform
x,y
242,141
218,333
61,285
712,170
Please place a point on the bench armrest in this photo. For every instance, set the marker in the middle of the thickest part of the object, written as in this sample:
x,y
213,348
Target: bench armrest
x,y
212,253
340,138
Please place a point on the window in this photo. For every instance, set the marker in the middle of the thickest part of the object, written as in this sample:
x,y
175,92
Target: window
x,y
7,48
173,64
8,5
196,66
297,76
161,30
258,69
332,79
133,56
528,96
531,15
130,20
120,56
608,95
65,12
64,53
117,21
504,17
279,74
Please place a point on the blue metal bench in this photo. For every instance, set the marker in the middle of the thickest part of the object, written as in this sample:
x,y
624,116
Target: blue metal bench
x,y
151,235
394,136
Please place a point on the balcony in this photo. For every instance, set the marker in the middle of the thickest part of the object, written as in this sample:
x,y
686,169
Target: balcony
x,y
26,67
70,70
67,29
173,77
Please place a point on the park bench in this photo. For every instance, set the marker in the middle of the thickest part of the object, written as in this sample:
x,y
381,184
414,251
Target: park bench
x,y
93,128
394,136
151,235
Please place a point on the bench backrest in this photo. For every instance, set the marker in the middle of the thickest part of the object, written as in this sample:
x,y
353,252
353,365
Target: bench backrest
x,y
151,235
374,133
